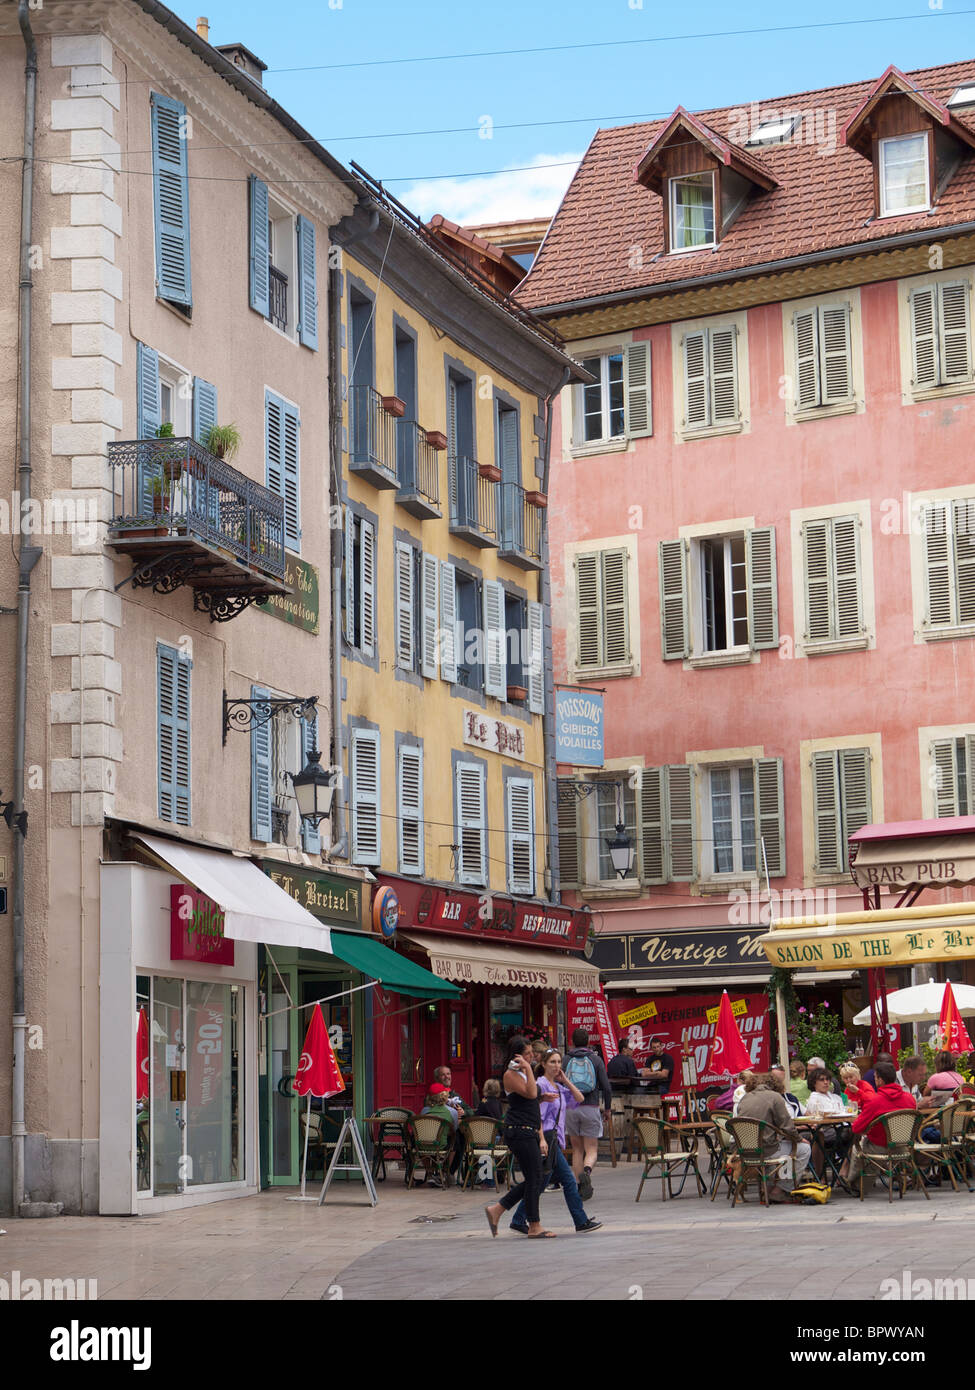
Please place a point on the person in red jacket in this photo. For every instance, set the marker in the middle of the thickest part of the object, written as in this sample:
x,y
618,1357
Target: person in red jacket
x,y
890,1097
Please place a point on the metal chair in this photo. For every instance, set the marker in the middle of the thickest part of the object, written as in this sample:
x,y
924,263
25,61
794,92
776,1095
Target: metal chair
x,y
652,1138
317,1149
724,1152
431,1142
898,1159
391,1135
483,1150
948,1151
752,1157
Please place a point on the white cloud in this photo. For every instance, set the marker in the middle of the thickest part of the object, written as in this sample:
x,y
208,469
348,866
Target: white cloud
x,y
534,191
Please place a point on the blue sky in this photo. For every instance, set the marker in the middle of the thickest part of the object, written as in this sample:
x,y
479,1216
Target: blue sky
x,y
368,113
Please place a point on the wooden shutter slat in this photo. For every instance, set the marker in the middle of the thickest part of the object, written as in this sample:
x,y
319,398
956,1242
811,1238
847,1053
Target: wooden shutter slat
x,y
847,619
804,327
615,616
148,408
521,835
291,490
637,403
672,567
854,768
260,277
939,579
365,770
535,670
652,823
307,284
261,772
826,812
171,200
410,810
588,586
448,623
696,411
568,826
495,640
724,375
943,764
680,814
367,587
835,353
405,606
963,519
770,815
924,337
763,603
816,555
350,576
430,610
955,333
471,823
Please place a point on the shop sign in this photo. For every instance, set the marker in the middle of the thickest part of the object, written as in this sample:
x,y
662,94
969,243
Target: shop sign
x,y
196,928
590,1010
300,607
856,950
578,728
326,896
715,950
738,1010
639,1015
485,916
385,912
508,976
495,735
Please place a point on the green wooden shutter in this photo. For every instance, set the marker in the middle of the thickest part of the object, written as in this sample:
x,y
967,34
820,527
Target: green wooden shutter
x,y
836,355
448,623
495,640
637,401
307,285
763,601
409,812
311,835
404,606
682,866
260,279
430,611
963,518
943,753
805,334
171,201
520,817
847,619
365,779
924,337
653,857
696,411
723,344
148,416
261,773
535,666
673,599
615,608
955,332
570,875
588,608
939,578
769,816
826,813
854,770
816,559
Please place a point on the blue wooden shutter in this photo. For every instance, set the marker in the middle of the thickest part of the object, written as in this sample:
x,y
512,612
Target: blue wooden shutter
x,y
307,285
173,699
282,430
261,773
148,417
311,836
171,200
204,408
260,293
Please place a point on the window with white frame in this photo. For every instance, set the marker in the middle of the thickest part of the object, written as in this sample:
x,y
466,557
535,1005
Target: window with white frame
x,y
718,594
175,398
282,263
951,767
691,211
941,334
949,556
904,185
732,810
618,404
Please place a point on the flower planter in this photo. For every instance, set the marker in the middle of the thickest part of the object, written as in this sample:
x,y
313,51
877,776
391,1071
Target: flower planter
x,y
517,692
436,439
536,499
490,471
394,406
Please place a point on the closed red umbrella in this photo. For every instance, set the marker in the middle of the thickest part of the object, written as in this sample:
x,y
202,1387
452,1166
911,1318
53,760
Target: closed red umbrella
x,y
729,1054
318,1072
142,1056
954,1034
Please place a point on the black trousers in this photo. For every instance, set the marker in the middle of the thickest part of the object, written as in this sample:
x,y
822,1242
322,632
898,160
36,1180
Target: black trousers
x,y
524,1144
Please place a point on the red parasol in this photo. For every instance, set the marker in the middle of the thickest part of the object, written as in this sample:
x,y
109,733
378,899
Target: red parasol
x,y
954,1034
319,1073
729,1055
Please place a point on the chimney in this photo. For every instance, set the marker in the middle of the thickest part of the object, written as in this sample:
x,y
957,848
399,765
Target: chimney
x,y
244,59
203,28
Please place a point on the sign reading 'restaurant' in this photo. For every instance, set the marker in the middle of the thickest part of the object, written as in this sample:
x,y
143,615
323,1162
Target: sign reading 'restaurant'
x,y
579,728
486,915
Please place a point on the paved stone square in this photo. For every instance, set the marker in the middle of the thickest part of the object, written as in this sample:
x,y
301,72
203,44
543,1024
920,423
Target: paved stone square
x,y
267,1247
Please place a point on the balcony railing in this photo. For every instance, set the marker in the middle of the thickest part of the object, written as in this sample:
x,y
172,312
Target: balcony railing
x,y
372,437
187,517
521,528
473,502
278,298
418,469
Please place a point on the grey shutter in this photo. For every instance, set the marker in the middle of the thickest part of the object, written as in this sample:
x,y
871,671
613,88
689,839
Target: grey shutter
x,y
836,356
367,587
847,617
204,409
637,403
311,835
804,327
448,623
696,412
148,417
430,614
682,854
259,250
653,817
763,601
568,824
171,200
963,517
261,773
955,333
520,808
588,609
673,599
615,607
854,769
939,584
495,662
405,607
350,585
307,285
365,779
816,557
452,464
471,827
965,807
535,667
924,337
409,812
769,816
942,752
724,375
826,813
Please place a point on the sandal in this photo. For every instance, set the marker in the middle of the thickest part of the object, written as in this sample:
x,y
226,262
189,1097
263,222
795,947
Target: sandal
x,y
542,1235
492,1224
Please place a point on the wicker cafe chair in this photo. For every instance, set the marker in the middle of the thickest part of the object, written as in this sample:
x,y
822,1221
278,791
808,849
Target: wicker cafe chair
x,y
750,1159
725,1151
898,1161
317,1150
948,1150
391,1137
652,1135
483,1148
431,1144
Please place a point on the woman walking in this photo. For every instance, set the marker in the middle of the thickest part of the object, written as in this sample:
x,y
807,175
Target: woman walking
x,y
523,1135
556,1095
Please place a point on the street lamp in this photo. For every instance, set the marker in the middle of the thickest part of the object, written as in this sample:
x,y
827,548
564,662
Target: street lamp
x,y
314,790
621,851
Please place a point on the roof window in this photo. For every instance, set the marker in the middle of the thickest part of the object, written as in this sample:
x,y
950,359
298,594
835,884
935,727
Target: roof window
x,y
773,132
963,95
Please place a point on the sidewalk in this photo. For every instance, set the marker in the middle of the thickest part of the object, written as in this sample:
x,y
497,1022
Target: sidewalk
x,y
266,1247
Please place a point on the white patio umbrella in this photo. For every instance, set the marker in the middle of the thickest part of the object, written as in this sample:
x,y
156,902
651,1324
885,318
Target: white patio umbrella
x,y
921,1004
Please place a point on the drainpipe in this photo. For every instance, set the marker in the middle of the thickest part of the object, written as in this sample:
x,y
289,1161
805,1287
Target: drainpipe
x,y
548,716
29,556
347,231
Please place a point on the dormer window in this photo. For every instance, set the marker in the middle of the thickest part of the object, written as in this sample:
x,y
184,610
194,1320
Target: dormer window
x,y
691,211
963,96
904,177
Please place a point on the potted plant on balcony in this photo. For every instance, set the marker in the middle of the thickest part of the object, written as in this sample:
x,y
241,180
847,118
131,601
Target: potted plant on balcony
x,y
393,405
170,456
223,441
536,499
160,505
517,692
436,439
490,471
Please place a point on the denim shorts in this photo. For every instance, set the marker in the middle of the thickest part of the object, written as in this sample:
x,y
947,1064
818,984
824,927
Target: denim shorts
x,y
584,1120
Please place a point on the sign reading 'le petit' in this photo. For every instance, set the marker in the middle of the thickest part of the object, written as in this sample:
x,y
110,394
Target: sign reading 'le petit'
x,y
494,735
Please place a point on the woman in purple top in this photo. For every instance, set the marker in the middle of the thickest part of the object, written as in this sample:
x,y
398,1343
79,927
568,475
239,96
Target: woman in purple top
x,y
556,1095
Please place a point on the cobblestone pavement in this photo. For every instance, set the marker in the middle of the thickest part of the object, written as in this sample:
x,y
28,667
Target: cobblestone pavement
x,y
269,1248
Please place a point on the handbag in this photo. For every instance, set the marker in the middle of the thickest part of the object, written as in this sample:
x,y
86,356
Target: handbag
x,y
552,1139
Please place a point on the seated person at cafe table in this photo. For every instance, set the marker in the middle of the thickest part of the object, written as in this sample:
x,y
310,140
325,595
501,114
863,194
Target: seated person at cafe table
x,y
823,1103
622,1067
798,1083
890,1096
792,1101
912,1076
855,1088
945,1082
764,1101
817,1064
660,1068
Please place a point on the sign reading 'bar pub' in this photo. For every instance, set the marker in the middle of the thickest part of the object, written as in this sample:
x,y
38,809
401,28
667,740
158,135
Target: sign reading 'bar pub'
x,y
487,916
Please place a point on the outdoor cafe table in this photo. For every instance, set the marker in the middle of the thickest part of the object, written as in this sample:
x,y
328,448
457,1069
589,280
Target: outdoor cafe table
x,y
688,1133
815,1124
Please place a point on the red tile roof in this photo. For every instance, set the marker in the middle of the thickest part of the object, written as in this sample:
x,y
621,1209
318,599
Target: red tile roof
x,y
607,236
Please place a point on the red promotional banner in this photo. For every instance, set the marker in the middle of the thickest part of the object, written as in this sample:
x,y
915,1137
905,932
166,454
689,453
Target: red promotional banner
x,y
142,1057
318,1070
591,1011
672,1017
954,1034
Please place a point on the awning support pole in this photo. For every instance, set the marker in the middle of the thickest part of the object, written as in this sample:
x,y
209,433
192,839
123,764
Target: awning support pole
x,y
783,1028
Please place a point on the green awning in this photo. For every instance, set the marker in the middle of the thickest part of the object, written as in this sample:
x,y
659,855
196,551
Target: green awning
x,y
396,972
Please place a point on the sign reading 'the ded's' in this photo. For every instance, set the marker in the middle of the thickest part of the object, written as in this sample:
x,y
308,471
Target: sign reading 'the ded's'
x,y
579,728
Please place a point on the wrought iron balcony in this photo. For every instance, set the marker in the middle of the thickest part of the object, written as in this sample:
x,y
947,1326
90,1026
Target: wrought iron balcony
x,y
186,517
521,529
419,471
278,298
372,438
473,502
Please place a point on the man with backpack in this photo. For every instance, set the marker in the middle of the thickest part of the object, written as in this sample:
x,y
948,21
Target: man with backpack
x,y
583,1125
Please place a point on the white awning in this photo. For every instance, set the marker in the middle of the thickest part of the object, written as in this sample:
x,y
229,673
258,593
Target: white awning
x,y
933,861
255,909
478,962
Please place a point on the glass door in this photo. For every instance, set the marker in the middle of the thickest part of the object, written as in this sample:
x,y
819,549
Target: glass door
x,y
283,1045
168,1089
